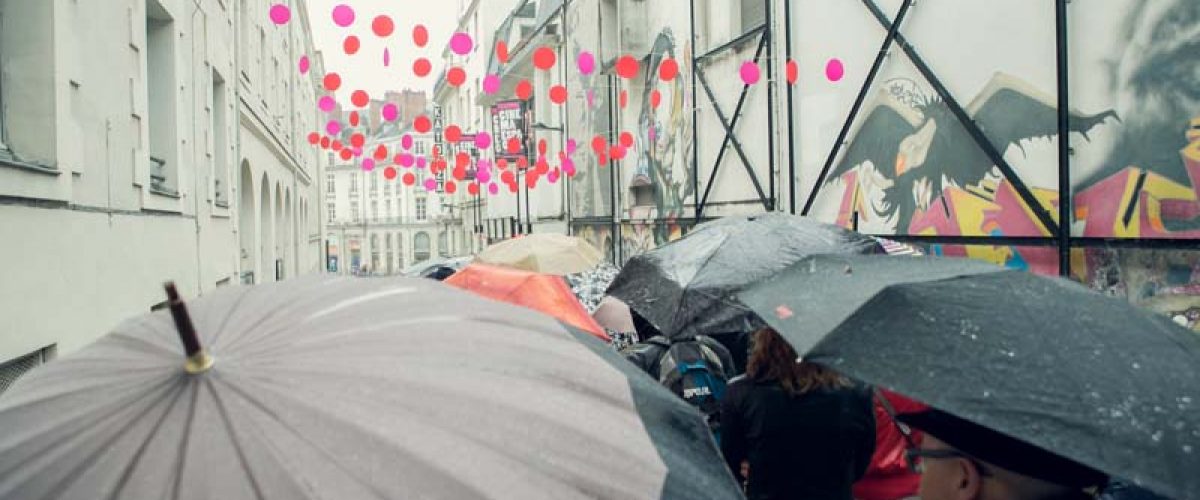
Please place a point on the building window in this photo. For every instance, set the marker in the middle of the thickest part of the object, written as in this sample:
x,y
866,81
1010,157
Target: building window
x,y
421,208
374,184
421,247
753,14
220,128
160,97
443,244
330,183
387,209
420,147
331,210
387,189
375,253
354,184
374,211
354,214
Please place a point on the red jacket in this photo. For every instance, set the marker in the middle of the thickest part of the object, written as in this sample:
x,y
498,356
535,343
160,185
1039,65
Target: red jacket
x,y
888,476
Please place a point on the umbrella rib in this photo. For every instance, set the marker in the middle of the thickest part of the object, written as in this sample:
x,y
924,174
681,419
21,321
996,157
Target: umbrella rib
x,y
302,437
233,438
75,472
237,305
181,457
137,456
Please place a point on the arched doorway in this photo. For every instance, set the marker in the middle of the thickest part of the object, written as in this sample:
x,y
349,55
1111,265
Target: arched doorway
x,y
246,224
280,233
267,231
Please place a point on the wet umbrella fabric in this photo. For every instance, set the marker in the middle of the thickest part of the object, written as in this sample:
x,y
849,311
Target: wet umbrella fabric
x,y
543,253
1043,360
345,388
545,293
688,287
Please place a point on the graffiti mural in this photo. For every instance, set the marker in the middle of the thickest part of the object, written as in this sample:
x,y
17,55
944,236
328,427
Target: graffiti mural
x,y
599,235
663,141
1167,282
1145,181
639,238
587,115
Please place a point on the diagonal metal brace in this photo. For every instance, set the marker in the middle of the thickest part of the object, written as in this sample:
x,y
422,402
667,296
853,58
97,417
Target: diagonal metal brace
x,y
730,135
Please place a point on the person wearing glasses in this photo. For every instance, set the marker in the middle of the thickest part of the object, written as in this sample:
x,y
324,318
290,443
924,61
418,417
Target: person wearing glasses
x,y
959,460
795,430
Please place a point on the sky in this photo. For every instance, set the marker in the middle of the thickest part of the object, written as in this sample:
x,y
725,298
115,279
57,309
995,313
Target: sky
x,y
365,70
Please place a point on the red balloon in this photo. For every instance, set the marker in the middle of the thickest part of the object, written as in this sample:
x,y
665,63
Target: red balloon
x,y
409,179
422,67
508,177
325,143
623,99
360,98
354,118
357,140
346,154
599,144
383,26
512,187
337,145
381,153
655,98
502,51
502,164
617,152
451,187
522,163
456,76
524,90
541,146
420,35
558,94
602,159
514,145
421,124
389,173
351,45
793,71
332,82
668,70
473,188
314,138
531,180
461,160
544,58
452,133
627,139
627,67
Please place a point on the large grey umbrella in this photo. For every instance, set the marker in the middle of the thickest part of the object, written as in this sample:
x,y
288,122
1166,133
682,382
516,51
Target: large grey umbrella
x,y
689,286
1042,360
354,389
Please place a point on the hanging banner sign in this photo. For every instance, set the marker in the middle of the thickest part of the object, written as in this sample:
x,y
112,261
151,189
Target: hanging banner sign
x,y
510,119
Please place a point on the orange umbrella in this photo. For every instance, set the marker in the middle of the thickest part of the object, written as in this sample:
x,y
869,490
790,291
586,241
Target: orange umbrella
x,y
544,293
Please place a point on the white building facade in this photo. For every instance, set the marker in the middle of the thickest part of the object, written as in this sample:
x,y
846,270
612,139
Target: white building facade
x,y
143,141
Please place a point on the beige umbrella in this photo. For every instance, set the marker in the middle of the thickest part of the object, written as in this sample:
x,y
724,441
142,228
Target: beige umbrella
x,y
543,253
614,315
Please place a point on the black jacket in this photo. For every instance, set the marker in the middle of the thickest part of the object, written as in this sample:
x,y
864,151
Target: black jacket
x,y
811,446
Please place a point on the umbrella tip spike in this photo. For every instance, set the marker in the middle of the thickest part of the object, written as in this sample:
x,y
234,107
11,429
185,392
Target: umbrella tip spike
x,y
198,361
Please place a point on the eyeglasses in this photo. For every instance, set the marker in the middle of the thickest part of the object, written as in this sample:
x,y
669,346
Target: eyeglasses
x,y
914,455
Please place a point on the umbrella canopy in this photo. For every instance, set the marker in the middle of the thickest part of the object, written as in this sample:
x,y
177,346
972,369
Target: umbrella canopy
x,y
614,315
543,253
345,388
1045,361
544,293
689,286
427,267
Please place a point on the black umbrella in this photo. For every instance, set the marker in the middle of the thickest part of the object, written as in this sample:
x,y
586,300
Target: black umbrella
x,y
688,287
345,388
1046,361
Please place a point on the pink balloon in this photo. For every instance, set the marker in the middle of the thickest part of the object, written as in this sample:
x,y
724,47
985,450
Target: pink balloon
x,y
387,57
493,188
390,112
491,84
461,44
326,103
280,14
552,176
834,69
483,175
343,15
483,140
571,146
568,166
304,65
430,184
420,162
368,164
333,127
586,62
406,160
750,73
406,141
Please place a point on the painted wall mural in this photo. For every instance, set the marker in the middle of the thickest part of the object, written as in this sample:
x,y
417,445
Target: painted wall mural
x,y
587,113
1165,281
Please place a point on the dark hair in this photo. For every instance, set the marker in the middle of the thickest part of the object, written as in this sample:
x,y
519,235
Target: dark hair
x,y
772,359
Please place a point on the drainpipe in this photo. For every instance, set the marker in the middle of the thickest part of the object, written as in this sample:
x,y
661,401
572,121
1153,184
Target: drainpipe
x,y
195,147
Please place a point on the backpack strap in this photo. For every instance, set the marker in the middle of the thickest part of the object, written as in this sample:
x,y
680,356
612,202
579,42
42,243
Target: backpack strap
x,y
905,431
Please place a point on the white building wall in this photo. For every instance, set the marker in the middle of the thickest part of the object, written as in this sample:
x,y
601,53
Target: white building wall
x,y
88,239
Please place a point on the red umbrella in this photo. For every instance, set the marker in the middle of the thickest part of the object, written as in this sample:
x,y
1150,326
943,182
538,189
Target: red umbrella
x,y
544,293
